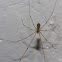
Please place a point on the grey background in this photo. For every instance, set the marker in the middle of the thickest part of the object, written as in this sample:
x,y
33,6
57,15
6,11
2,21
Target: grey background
x,y
12,29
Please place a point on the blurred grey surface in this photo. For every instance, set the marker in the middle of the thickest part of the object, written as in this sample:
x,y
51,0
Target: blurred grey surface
x,y
12,29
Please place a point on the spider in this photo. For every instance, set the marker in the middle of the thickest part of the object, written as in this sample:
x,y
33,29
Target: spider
x,y
37,30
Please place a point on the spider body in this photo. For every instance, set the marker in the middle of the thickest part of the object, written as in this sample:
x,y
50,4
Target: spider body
x,y
38,28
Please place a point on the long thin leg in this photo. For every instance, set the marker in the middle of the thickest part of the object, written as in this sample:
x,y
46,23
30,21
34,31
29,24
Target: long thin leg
x,y
26,26
42,47
50,15
27,48
21,39
45,30
30,16
25,37
47,40
49,29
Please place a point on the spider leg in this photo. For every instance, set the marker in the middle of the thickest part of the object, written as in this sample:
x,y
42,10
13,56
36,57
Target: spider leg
x,y
50,15
25,37
30,16
25,25
50,29
47,40
20,39
42,48
27,48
